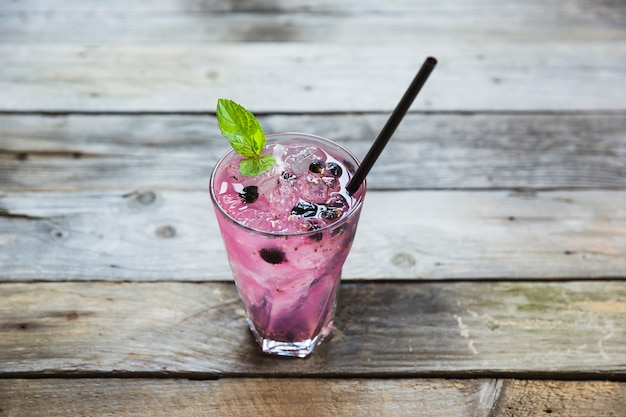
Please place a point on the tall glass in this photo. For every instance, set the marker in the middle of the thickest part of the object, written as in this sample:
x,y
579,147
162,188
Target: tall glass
x,y
288,282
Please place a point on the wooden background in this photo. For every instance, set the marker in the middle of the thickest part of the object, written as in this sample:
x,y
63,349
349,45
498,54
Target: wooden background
x,y
487,276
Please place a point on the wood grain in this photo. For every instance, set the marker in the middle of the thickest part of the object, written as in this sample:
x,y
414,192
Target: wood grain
x,y
328,77
244,397
182,56
497,291
428,151
325,397
305,21
117,235
197,330
560,398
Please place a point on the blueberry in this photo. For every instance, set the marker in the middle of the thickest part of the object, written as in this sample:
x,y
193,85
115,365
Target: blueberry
x,y
305,209
334,169
316,167
249,194
273,255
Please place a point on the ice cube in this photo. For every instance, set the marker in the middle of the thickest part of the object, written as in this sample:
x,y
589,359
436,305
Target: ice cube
x,y
312,188
266,184
299,158
282,198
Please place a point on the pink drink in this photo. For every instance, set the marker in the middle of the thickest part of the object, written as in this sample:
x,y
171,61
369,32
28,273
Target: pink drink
x,y
287,234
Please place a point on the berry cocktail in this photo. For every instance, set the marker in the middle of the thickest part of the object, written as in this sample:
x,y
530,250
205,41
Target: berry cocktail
x,y
287,233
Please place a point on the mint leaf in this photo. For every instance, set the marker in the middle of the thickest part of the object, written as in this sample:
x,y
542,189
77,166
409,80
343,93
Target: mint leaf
x,y
256,165
245,134
240,127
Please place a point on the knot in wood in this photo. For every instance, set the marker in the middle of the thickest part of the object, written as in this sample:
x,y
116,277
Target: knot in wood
x,y
166,232
404,260
146,198
59,234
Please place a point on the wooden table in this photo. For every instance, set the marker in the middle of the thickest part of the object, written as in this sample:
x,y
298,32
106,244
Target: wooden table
x,y
488,274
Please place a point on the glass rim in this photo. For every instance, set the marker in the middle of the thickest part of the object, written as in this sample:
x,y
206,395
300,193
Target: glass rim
x,y
271,136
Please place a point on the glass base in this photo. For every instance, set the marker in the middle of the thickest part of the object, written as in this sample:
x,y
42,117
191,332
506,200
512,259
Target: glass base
x,y
298,349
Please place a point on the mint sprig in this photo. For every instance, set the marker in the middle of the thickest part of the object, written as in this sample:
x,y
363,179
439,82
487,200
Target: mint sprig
x,y
245,134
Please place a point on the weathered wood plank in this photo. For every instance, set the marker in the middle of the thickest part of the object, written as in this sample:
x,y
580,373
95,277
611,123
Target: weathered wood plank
x,y
568,7
471,75
304,21
449,234
559,330
428,151
560,398
244,397
247,397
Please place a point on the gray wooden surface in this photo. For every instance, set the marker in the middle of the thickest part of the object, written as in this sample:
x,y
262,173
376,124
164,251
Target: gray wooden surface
x,y
488,274
308,56
118,235
429,151
519,329
244,397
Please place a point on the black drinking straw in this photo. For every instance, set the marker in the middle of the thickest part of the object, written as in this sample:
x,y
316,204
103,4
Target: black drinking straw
x,y
391,125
